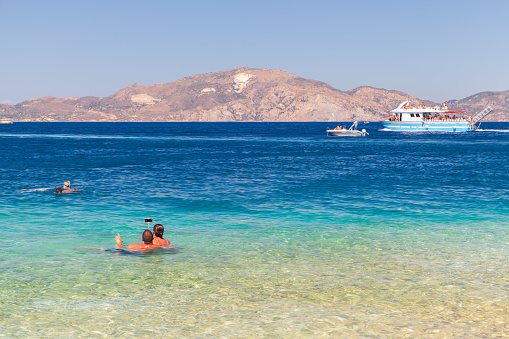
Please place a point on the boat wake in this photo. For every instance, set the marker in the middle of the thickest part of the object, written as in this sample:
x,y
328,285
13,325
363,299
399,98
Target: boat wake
x,y
156,138
493,130
28,190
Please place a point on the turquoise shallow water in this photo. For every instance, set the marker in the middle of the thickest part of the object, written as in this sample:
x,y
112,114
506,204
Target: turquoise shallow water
x,y
280,231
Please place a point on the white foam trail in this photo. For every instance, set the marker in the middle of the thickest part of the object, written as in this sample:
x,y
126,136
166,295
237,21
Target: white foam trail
x,y
493,130
26,190
119,137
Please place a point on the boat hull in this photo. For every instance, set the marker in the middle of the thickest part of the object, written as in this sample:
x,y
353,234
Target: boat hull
x,y
344,133
434,126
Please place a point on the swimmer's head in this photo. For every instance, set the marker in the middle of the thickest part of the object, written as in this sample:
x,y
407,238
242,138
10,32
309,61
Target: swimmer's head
x,y
158,230
58,190
147,237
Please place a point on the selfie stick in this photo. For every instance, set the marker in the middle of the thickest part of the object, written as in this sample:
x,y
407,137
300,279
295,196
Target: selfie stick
x,y
148,221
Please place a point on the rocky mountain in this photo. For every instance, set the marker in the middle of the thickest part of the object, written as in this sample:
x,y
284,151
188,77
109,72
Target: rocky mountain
x,y
241,94
499,101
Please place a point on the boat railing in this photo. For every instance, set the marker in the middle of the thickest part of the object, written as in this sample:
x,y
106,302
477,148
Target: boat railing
x,y
459,119
354,126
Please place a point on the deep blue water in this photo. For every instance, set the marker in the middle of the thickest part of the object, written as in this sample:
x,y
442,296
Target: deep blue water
x,y
388,235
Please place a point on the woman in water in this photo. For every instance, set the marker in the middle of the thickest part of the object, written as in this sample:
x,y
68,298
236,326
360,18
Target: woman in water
x,y
158,236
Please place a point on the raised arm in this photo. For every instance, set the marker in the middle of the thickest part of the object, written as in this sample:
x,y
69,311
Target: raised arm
x,y
119,240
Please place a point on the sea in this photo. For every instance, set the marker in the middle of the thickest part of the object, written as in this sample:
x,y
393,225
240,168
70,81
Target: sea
x,y
279,231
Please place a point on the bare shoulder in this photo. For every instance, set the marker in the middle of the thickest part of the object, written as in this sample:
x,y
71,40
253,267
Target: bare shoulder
x,y
159,241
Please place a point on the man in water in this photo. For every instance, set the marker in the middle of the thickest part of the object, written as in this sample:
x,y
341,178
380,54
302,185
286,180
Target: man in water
x,y
67,188
59,190
158,236
148,244
145,246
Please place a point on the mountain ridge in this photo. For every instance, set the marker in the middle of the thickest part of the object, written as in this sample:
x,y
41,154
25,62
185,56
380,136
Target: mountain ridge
x,y
240,94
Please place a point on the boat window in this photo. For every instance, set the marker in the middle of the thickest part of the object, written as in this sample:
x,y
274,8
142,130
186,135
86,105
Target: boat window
x,y
412,115
417,115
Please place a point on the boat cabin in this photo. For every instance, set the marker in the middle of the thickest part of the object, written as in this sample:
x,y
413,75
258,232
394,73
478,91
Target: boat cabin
x,y
422,113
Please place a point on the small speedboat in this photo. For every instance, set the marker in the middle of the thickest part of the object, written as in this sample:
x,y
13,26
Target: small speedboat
x,y
5,121
350,132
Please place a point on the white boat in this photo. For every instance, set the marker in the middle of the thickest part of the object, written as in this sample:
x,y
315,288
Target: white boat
x,y
343,132
409,118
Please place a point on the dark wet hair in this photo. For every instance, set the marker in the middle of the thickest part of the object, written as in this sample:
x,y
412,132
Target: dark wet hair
x,y
58,190
147,237
158,230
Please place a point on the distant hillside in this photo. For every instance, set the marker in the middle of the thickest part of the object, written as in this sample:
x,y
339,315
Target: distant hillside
x,y
242,94
499,101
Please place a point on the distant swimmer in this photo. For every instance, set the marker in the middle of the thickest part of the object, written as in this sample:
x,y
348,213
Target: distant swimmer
x,y
59,190
158,236
67,188
147,244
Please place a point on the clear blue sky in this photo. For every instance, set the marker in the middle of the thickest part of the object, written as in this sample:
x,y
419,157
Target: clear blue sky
x,y
436,50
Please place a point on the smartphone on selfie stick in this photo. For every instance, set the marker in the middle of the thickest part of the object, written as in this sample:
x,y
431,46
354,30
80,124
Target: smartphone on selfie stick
x,y
148,221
